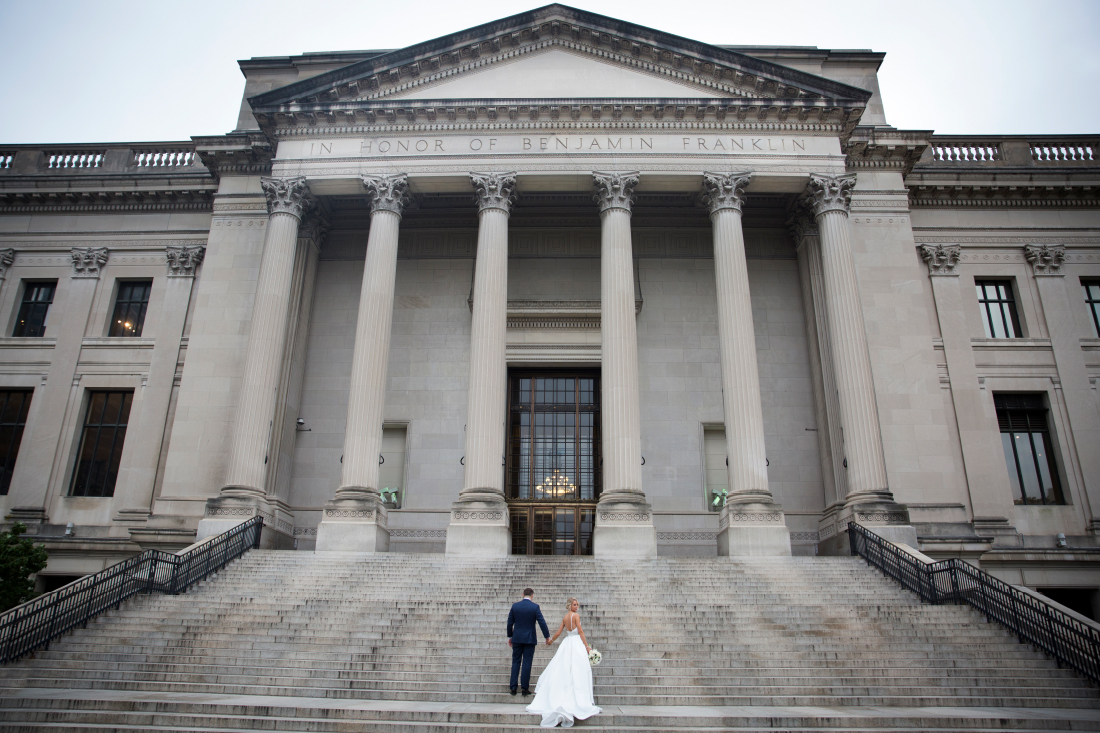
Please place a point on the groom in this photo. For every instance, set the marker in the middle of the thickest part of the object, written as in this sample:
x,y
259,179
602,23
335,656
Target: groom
x,y
521,620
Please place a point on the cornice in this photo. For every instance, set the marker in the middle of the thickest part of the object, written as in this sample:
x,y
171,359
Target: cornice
x,y
1000,196
238,153
807,117
695,63
106,201
885,149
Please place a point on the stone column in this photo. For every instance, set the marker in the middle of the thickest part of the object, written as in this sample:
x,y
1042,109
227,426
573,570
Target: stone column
x,y
479,519
976,417
36,480
146,433
624,520
827,410
751,522
1063,315
355,519
869,500
243,494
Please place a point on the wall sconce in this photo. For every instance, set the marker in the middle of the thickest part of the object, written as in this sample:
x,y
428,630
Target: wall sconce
x,y
300,426
69,530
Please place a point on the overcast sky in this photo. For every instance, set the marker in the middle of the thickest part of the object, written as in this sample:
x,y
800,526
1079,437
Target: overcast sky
x,y
120,70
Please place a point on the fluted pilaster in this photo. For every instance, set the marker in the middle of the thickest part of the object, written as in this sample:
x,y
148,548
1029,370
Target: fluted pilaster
x,y
479,520
624,523
288,199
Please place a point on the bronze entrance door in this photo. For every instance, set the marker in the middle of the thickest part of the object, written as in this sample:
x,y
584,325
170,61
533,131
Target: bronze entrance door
x,y
553,464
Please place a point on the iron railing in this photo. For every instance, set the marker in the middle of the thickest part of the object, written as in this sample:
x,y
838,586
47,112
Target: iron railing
x,y
36,623
1067,639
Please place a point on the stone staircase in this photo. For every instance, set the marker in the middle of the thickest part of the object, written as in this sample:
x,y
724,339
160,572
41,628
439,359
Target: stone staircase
x,y
400,642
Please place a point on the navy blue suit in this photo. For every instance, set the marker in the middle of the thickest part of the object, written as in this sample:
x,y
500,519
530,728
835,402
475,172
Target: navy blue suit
x,y
521,630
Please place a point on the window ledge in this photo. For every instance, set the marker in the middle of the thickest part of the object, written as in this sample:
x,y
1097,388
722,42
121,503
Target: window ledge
x,y
1022,344
27,342
114,342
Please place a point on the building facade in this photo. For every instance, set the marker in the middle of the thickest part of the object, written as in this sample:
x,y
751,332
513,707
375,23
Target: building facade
x,y
558,284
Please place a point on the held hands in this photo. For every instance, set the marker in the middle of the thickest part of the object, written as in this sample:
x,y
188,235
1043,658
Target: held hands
x,y
549,642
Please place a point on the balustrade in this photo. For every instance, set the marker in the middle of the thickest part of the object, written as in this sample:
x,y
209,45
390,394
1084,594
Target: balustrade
x,y
1013,150
71,160
163,158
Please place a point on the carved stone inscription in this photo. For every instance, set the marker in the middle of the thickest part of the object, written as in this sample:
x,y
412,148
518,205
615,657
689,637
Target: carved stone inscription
x,y
555,145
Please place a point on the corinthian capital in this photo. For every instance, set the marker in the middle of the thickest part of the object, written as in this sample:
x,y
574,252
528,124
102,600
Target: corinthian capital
x,y
287,195
183,260
314,226
725,190
831,193
87,261
615,190
494,190
7,257
387,193
1045,259
941,258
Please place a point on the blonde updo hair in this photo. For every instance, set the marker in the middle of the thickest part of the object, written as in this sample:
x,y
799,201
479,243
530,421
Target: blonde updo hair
x,y
569,604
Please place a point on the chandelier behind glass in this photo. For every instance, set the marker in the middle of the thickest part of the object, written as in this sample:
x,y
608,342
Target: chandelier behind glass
x,y
556,486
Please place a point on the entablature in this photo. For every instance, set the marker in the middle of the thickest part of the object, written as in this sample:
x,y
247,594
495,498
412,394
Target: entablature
x,y
104,176
1019,171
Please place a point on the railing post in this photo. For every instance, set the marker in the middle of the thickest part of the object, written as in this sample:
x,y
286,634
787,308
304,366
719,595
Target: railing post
x,y
955,595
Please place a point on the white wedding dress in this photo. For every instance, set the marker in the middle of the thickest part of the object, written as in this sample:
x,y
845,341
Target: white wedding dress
x,y
564,690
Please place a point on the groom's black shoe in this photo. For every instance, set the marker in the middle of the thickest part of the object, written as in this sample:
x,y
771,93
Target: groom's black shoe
x,y
526,692
511,690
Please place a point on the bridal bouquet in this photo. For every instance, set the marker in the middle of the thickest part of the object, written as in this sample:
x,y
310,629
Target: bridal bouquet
x,y
594,657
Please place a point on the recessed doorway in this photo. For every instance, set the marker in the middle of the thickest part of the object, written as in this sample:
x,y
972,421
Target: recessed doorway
x,y
553,463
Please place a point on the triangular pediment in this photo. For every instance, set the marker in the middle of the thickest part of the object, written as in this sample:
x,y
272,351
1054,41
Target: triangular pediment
x,y
556,73
566,54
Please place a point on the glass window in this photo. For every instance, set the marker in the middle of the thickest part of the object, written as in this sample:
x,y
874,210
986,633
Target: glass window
x,y
1092,297
1028,450
33,311
130,307
97,462
391,474
998,309
714,460
14,406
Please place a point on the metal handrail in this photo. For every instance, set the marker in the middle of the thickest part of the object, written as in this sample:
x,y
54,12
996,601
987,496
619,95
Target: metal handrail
x,y
36,623
1067,639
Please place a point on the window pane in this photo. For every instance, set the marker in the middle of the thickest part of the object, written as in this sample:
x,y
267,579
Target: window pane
x,y
14,406
519,531
1013,472
103,437
130,306
1030,476
564,531
34,310
543,532
1042,459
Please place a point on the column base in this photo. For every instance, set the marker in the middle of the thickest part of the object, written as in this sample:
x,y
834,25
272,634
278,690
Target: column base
x,y
624,530
479,528
354,525
753,529
877,512
223,513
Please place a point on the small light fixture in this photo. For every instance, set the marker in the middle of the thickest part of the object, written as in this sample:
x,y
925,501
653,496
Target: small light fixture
x,y
300,426
69,530
1061,539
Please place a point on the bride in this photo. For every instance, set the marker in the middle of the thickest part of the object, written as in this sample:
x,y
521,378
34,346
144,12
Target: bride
x,y
564,689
